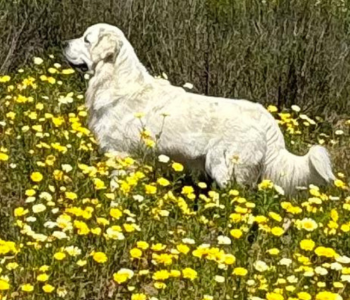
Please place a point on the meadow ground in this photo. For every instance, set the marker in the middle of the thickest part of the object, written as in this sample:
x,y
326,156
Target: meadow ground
x,y
67,233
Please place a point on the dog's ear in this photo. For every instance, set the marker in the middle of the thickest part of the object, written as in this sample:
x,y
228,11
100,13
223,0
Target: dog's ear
x,y
106,49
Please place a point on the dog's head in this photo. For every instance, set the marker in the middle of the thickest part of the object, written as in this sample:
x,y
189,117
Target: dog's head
x,y
100,42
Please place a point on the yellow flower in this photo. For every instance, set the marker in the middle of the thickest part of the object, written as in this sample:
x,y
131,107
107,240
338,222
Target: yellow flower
x,y
159,285
260,219
177,167
102,221
96,231
236,233
187,190
240,271
265,185
339,183
328,296
273,251
30,192
99,184
228,259
20,211
202,185
81,262
338,285
150,189
51,80
272,108
129,227
4,285
37,128
138,297
161,181
12,266
5,78
324,251
189,273
308,224
183,248
158,247
71,195
48,288
3,157
274,296
123,275
27,288
42,277
44,268
304,296
58,175
100,257
275,216
334,215
161,275
115,213
277,231
11,115
149,143
39,106
142,245
143,272
59,255
307,245
36,176
52,70
345,228
136,253
166,259
67,71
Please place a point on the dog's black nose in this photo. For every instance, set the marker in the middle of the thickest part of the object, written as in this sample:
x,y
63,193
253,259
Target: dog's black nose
x,y
65,44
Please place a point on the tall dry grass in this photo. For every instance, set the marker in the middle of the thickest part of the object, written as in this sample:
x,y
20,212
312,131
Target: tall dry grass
x,y
282,52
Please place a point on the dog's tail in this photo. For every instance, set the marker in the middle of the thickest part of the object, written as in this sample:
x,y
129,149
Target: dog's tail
x,y
290,171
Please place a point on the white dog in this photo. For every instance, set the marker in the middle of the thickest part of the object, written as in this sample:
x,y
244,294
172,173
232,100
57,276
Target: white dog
x,y
227,139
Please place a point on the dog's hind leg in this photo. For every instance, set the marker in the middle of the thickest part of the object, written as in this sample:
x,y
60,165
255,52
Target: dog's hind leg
x,y
242,161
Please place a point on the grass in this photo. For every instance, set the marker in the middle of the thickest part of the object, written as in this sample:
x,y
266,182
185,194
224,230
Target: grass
x,y
67,232
283,52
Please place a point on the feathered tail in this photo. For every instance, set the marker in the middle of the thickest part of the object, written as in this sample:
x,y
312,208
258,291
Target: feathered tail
x,y
290,171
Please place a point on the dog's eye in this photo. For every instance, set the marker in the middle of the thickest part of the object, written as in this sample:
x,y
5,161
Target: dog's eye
x,y
86,40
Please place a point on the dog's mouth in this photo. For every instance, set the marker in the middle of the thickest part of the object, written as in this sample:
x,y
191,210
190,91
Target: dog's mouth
x,y
81,67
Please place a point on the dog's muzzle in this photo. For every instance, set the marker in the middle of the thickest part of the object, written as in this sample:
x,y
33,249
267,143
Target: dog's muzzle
x,y
80,66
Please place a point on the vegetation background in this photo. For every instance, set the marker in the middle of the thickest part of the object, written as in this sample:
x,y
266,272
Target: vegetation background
x,y
77,237
273,51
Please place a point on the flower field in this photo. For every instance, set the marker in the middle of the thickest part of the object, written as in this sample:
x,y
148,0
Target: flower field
x,y
69,231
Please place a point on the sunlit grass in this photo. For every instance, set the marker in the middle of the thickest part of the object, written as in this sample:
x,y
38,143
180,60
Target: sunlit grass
x,y
67,232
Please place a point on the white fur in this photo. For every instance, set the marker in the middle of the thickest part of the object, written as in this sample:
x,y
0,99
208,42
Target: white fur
x,y
225,138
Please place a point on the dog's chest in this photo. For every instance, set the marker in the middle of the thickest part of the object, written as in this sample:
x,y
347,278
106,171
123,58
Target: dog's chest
x,y
113,130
